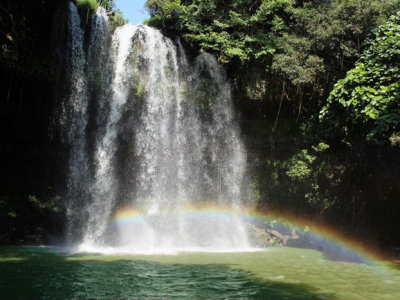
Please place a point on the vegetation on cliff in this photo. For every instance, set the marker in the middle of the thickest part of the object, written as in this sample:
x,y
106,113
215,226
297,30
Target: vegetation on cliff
x,y
327,151
367,101
298,47
88,7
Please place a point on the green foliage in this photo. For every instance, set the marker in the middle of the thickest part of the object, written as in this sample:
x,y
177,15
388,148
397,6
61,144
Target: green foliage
x,y
140,89
303,45
302,181
92,5
240,30
117,19
324,40
299,166
87,6
107,4
298,67
26,28
53,205
24,212
367,101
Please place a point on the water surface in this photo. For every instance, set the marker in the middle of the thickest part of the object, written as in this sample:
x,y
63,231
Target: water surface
x,y
276,273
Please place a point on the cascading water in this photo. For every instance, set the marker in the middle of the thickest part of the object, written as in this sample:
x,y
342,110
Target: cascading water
x,y
75,121
153,132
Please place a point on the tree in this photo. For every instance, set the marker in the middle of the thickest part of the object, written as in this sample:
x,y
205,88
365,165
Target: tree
x,y
107,4
298,47
367,100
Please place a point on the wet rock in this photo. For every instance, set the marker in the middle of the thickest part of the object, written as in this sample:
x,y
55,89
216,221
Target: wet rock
x,y
258,236
265,237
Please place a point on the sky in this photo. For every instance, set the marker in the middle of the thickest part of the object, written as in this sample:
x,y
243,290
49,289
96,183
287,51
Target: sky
x,y
132,10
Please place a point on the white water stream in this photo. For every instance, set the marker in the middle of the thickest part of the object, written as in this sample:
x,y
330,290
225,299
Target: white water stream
x,y
150,131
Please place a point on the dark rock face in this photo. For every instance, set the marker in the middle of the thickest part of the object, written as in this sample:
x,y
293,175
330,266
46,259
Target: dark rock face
x,y
30,65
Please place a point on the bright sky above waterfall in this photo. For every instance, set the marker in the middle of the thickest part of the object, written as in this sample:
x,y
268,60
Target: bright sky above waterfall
x,y
133,10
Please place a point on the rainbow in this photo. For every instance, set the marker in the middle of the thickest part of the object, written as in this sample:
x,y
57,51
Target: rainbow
x,y
319,232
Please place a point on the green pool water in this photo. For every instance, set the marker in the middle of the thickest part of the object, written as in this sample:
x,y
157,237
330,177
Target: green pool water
x,y
276,273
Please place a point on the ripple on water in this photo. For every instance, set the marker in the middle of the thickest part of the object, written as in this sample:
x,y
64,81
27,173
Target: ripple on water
x,y
274,274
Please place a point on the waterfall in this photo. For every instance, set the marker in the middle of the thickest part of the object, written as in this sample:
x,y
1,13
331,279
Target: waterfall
x,y
75,122
153,133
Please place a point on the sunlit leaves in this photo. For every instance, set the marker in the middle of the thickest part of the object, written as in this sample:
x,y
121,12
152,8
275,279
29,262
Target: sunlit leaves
x,y
370,93
238,30
306,44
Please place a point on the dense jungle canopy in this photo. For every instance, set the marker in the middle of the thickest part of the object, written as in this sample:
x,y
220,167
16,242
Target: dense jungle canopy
x,y
316,85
